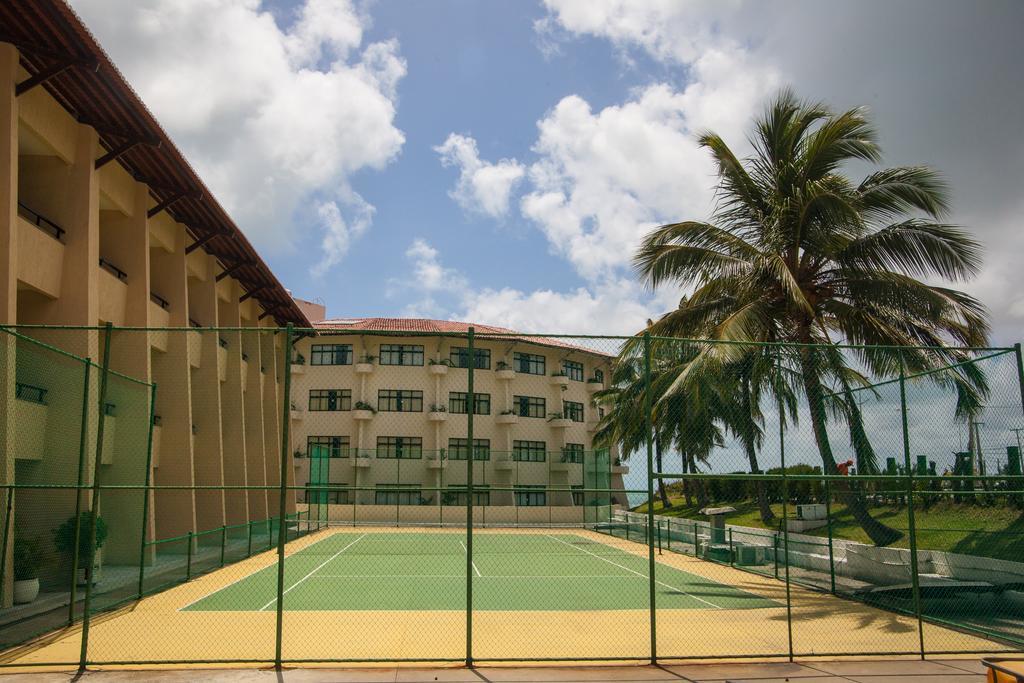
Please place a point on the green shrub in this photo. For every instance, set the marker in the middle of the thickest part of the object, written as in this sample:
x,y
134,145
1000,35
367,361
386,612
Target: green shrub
x,y
64,535
28,557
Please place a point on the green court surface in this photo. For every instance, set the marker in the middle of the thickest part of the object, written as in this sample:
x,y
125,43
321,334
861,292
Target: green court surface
x,y
355,570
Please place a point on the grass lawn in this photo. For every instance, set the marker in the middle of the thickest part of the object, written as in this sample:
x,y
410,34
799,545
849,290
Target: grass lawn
x,y
989,531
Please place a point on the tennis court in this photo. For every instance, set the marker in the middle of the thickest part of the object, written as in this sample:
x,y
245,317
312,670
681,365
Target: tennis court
x,y
359,570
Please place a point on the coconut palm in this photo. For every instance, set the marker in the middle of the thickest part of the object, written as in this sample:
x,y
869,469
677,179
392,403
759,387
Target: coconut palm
x,y
798,252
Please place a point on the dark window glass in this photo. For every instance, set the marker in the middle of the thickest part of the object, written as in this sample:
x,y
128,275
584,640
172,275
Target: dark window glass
x,y
401,354
572,452
577,494
458,402
457,495
528,363
529,406
458,449
327,446
531,495
459,357
398,494
330,354
400,447
399,401
572,410
330,399
529,451
598,376
573,370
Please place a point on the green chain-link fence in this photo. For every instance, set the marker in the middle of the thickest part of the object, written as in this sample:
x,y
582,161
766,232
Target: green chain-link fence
x,y
282,495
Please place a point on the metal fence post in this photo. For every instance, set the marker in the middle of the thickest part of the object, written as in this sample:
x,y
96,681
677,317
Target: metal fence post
x,y
283,489
188,555
649,431
95,506
914,576
470,409
3,549
223,542
145,491
831,552
785,503
1020,372
82,448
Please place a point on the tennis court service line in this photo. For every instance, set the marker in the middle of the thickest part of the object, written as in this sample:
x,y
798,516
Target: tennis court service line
x,y
313,571
633,571
466,550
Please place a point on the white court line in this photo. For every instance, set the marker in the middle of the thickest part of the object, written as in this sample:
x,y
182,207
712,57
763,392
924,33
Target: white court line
x,y
662,583
252,573
463,576
471,561
314,571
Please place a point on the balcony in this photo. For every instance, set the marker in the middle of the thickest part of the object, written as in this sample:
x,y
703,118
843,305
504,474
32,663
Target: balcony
x,y
565,463
557,421
594,385
438,368
298,364
364,366
363,413
504,463
437,414
362,459
505,373
619,468
113,292
297,413
506,419
559,380
436,461
41,254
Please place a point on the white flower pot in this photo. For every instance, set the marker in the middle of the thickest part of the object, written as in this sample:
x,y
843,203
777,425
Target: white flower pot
x,y
25,591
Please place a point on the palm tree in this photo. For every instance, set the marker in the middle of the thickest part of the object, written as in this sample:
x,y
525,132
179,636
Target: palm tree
x,y
797,252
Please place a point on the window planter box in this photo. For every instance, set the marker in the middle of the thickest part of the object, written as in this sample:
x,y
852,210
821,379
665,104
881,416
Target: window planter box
x,y
594,386
506,374
507,419
363,368
437,416
360,414
560,423
438,369
559,380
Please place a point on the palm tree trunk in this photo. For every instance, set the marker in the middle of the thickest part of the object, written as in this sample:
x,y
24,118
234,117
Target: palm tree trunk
x,y
767,516
662,491
879,533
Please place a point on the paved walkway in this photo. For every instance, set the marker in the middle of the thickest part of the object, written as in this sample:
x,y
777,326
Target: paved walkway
x,y
861,671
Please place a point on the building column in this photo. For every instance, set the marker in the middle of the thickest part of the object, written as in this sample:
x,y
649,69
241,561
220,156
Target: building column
x,y
236,502
253,418
207,456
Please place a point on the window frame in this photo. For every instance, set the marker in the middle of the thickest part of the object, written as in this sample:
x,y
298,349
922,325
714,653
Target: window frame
x,y
398,398
343,399
481,449
573,409
534,363
481,404
387,351
399,491
524,450
318,351
399,449
522,405
343,450
536,495
573,370
481,495
458,356
573,455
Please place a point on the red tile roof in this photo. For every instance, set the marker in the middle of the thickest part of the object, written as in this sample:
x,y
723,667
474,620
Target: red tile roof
x,y
429,326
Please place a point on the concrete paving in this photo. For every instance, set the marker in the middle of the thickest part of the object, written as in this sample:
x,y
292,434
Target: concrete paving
x,y
844,671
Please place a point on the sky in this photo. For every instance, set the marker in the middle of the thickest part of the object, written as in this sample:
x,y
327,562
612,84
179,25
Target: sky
x,y
499,161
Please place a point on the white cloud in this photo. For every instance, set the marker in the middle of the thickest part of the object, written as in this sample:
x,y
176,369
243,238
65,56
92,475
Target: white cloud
x,y
274,119
482,187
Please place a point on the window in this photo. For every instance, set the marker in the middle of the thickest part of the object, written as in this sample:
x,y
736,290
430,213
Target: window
x,y
528,363
398,494
330,399
399,401
572,452
457,495
531,495
401,354
330,354
529,406
319,494
571,410
459,357
458,402
400,447
327,446
458,449
577,494
573,370
528,451
598,376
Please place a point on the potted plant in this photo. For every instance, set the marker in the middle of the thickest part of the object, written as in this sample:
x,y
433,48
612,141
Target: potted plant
x,y
363,405
502,365
64,541
28,557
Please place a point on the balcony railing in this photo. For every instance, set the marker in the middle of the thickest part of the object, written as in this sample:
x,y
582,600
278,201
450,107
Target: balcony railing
x,y
30,393
159,300
113,270
41,222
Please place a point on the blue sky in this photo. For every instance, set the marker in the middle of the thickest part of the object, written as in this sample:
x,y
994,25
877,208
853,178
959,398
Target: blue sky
x,y
498,161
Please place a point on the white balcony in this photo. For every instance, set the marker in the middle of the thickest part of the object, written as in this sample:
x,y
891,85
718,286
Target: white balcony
x,y
436,462
362,414
362,460
438,369
559,380
297,413
560,423
620,469
594,386
506,374
363,368
506,419
437,416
